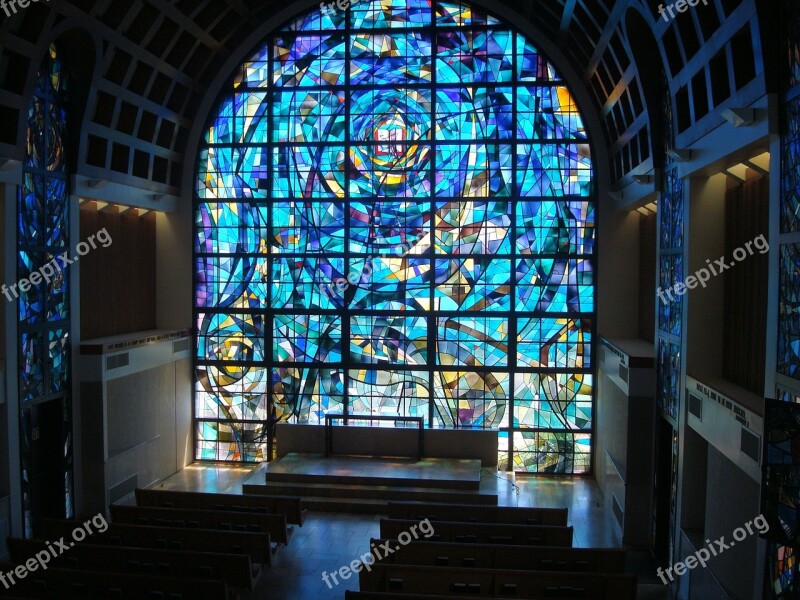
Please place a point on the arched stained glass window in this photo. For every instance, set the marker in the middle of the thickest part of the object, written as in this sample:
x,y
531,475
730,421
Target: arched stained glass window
x,y
395,216
44,319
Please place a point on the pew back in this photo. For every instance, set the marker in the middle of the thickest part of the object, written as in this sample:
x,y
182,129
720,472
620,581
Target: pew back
x,y
81,585
482,533
234,569
288,505
256,545
495,556
489,583
510,515
274,524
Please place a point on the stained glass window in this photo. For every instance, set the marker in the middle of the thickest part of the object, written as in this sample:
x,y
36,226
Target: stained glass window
x,y
789,311
395,216
671,206
792,43
669,377
782,570
42,237
790,169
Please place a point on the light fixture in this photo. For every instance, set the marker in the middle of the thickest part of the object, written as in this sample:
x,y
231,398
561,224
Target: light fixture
x,y
679,155
737,172
739,117
99,206
648,209
759,163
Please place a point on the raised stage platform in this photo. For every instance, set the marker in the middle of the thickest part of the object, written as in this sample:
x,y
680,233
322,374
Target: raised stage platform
x,y
365,485
449,473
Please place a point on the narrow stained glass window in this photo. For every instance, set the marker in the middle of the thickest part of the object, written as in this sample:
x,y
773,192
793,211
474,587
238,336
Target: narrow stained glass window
x,y
43,302
395,215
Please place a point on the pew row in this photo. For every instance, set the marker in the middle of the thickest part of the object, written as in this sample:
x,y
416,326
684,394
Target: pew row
x,y
287,505
235,570
257,546
493,583
467,513
481,533
494,556
351,595
64,584
274,524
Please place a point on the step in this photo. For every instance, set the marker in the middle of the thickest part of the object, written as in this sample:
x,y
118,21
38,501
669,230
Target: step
x,y
365,480
364,492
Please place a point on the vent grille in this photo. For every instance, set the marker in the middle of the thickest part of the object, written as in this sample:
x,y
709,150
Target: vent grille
x,y
623,373
751,444
180,346
617,509
123,488
117,361
696,407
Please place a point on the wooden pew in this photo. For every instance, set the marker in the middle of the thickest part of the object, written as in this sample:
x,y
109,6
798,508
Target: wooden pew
x,y
235,569
291,506
26,588
256,545
467,513
351,595
288,505
482,533
489,583
492,556
84,585
274,524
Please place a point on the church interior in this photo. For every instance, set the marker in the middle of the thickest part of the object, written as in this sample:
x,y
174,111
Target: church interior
x,y
400,299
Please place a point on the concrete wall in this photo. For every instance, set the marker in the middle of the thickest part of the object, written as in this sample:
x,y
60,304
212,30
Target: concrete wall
x,y
137,427
624,415
732,499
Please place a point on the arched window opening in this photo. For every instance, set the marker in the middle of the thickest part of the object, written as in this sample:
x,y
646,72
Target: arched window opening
x,y
394,215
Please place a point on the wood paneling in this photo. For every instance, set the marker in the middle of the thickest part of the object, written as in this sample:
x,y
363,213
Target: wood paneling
x,y
118,283
647,277
745,311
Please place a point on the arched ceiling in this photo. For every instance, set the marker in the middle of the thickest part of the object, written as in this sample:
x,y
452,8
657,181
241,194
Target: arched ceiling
x,y
155,60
